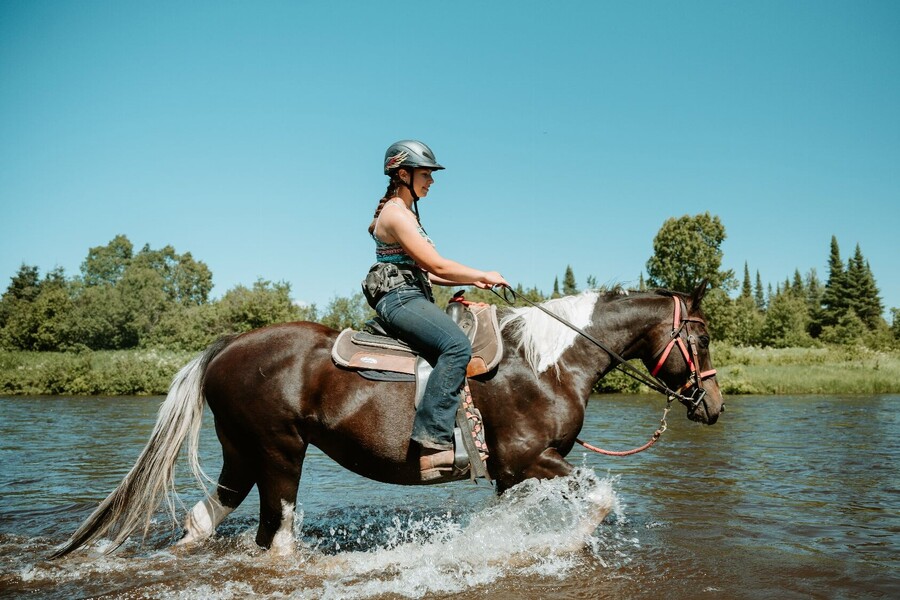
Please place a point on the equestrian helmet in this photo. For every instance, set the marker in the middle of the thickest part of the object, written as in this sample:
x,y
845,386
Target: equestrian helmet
x,y
409,153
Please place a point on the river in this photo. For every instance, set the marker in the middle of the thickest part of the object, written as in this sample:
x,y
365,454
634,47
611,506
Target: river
x,y
785,497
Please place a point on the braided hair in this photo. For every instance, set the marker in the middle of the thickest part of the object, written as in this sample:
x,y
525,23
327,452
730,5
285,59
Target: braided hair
x,y
391,191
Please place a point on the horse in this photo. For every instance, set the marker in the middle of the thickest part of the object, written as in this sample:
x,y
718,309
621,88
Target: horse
x,y
275,390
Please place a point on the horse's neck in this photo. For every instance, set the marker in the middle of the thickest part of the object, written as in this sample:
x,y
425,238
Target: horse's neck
x,y
623,325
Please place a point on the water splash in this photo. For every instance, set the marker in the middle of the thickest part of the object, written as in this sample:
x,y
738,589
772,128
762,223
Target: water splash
x,y
544,529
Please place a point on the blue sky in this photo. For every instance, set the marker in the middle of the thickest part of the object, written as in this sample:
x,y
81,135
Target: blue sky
x,y
251,134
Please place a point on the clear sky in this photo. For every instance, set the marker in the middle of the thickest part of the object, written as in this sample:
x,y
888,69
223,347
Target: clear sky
x,y
251,134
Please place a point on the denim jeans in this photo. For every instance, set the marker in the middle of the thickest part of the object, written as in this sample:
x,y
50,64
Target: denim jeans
x,y
432,333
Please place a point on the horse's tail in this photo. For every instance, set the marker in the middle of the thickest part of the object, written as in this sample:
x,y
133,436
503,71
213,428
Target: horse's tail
x,y
151,478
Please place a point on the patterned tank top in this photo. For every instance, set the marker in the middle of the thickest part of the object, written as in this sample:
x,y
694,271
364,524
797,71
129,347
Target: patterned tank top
x,y
394,253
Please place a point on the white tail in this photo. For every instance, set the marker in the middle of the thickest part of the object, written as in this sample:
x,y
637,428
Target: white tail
x,y
151,478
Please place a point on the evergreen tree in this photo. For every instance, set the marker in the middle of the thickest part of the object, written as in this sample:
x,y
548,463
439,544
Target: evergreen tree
x,y
642,285
746,288
758,294
555,288
834,298
862,293
797,286
814,302
592,283
569,285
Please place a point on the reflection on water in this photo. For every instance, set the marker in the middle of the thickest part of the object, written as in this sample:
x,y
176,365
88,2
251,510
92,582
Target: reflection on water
x,y
788,497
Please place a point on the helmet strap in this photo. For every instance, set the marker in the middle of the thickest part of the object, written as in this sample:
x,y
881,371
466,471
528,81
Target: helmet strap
x,y
415,196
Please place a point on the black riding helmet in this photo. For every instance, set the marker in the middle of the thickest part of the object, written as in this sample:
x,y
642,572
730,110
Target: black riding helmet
x,y
410,154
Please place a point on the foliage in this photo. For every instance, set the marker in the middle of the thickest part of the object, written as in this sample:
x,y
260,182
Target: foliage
x,y
569,285
686,251
347,312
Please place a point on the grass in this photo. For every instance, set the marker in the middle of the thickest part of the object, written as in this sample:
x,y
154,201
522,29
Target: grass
x,y
826,370
829,370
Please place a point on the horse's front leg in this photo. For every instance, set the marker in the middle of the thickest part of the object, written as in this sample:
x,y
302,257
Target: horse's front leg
x,y
550,464
547,465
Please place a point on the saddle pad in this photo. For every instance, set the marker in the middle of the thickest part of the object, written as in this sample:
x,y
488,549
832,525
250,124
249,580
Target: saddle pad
x,y
347,353
361,350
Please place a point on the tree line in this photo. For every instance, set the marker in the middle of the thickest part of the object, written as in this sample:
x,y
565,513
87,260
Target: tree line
x,y
123,299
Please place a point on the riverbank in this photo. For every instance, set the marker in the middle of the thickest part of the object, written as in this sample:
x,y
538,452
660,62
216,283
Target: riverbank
x,y
827,370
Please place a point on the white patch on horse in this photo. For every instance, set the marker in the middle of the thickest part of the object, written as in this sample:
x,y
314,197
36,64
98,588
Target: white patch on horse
x,y
543,337
203,519
283,542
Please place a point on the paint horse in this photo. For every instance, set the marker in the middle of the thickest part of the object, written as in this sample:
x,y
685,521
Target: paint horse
x,y
275,390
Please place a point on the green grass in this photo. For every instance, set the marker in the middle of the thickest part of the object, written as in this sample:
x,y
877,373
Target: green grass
x,y
827,370
830,370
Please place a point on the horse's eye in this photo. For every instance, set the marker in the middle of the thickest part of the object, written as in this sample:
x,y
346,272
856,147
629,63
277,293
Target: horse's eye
x,y
704,341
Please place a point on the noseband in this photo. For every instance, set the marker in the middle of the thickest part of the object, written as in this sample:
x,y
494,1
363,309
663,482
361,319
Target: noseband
x,y
687,343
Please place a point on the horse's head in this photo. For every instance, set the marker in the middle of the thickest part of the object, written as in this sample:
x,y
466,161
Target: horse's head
x,y
682,360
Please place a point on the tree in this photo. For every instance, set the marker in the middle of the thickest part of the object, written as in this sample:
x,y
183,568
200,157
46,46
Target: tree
x,y
106,264
344,312
814,302
758,294
746,287
686,251
834,298
37,318
23,287
569,286
556,293
242,309
862,293
184,280
786,321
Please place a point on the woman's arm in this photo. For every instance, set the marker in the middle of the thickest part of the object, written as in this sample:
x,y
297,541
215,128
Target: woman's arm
x,y
400,225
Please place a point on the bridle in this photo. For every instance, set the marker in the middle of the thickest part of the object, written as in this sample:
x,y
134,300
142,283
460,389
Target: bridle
x,y
688,344
688,349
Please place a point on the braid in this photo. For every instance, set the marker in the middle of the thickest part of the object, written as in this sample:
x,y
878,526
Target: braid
x,y
389,193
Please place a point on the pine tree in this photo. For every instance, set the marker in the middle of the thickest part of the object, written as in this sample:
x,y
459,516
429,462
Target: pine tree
x,y
834,298
746,288
569,285
862,293
758,294
555,288
642,285
797,286
814,302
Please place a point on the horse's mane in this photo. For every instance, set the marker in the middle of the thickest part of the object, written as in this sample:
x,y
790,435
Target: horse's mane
x,y
543,338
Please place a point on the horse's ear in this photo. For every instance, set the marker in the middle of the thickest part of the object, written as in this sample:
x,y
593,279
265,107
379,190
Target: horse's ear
x,y
698,293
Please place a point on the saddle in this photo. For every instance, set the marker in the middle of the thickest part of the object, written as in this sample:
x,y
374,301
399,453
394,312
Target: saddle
x,y
377,354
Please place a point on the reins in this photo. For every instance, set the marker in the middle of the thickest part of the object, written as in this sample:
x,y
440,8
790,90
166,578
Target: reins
x,y
651,381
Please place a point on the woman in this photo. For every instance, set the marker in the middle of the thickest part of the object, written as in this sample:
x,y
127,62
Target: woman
x,y
399,289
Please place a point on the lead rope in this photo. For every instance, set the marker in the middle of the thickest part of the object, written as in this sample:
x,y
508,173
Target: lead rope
x,y
656,435
654,384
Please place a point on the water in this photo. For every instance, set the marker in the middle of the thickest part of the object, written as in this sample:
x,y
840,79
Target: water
x,y
786,497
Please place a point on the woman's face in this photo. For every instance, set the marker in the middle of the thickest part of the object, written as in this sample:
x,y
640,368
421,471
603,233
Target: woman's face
x,y
421,181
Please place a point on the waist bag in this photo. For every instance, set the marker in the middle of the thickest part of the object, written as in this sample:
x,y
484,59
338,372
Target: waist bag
x,y
384,277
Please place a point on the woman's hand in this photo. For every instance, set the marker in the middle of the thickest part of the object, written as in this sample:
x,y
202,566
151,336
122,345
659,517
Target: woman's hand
x,y
490,279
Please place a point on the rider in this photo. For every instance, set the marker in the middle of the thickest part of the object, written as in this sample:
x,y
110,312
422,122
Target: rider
x,y
399,289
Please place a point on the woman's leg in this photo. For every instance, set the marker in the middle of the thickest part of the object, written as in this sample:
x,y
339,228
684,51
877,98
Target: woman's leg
x,y
439,339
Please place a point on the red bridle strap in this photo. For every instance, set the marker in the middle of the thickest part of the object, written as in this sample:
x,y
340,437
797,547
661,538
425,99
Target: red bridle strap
x,y
677,327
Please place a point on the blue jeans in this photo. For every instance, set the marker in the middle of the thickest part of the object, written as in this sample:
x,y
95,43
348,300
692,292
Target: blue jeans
x,y
434,335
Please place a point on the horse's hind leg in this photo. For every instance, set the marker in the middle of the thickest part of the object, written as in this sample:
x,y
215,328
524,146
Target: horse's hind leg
x,y
235,482
277,483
